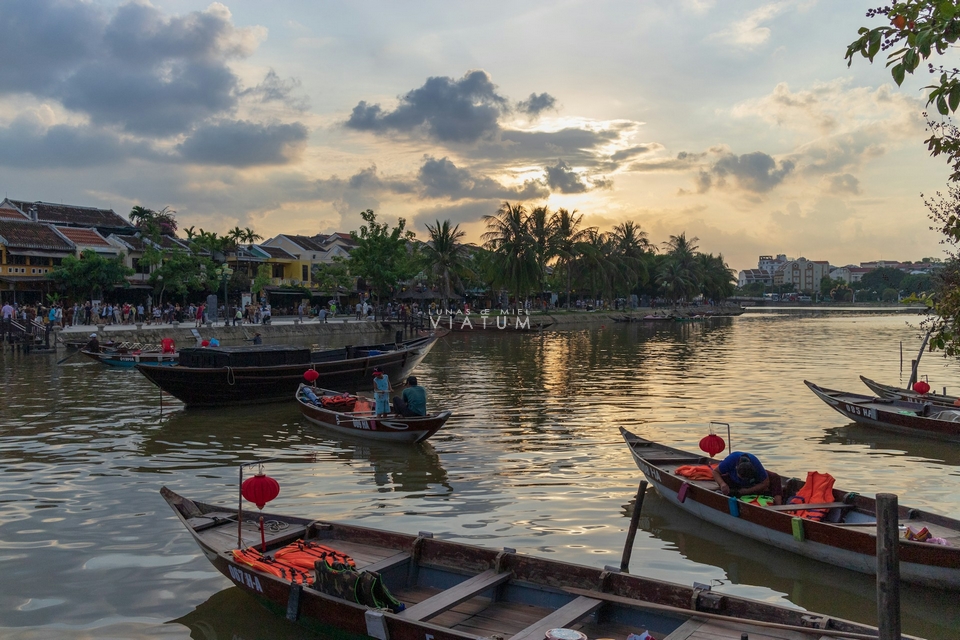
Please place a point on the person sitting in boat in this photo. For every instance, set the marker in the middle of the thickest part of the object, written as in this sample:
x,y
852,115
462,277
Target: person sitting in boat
x,y
381,391
93,345
413,401
742,474
256,339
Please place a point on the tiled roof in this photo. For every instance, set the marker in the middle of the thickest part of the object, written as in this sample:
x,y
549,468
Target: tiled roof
x,y
305,242
71,215
11,214
134,242
85,237
170,242
33,235
278,252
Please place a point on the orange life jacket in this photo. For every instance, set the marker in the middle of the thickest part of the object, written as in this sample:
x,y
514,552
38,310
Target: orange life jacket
x,y
253,558
817,489
304,554
695,471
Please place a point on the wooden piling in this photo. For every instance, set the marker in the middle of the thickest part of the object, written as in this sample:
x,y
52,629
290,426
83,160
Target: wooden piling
x,y
888,567
634,523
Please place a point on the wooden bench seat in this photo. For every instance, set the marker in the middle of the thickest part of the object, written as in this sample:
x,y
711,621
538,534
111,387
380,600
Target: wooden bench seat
x,y
562,617
804,507
453,596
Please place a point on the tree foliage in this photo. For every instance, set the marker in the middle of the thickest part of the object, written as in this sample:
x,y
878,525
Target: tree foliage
x,y
382,256
445,257
90,275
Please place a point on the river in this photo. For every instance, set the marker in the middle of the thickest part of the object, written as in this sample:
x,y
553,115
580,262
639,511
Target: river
x,y
88,549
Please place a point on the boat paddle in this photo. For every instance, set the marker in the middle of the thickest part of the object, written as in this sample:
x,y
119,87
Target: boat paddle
x,y
62,360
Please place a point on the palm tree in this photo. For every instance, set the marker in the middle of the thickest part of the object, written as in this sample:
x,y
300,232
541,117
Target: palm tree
x,y
250,236
445,256
540,224
569,242
676,281
512,245
596,265
716,278
632,249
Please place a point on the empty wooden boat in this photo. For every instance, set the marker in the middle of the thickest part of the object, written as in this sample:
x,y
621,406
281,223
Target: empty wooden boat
x,y
908,395
925,419
453,591
846,536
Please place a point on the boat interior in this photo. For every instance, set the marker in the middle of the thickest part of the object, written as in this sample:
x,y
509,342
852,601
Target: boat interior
x,y
479,604
843,512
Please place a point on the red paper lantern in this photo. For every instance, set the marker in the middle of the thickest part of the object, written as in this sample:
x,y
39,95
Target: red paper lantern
x,y
712,444
921,387
311,375
260,489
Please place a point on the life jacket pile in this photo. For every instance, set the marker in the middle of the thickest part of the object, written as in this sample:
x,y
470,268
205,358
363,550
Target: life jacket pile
x,y
818,489
295,562
695,471
338,403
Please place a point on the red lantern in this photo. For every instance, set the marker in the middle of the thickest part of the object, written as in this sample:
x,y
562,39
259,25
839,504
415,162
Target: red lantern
x,y
712,444
921,387
311,375
260,489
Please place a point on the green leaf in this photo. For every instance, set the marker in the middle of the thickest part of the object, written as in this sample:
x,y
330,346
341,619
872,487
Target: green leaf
x,y
942,106
955,97
911,60
897,72
947,9
873,50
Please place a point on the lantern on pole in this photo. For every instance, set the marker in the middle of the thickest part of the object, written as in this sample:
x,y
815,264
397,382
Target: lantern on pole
x,y
260,489
922,387
712,444
311,375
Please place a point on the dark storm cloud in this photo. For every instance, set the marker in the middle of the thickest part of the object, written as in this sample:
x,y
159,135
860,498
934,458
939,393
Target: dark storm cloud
x,y
443,179
537,104
244,144
756,172
447,110
138,69
25,146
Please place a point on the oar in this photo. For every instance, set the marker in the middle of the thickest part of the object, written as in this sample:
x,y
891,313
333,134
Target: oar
x,y
62,360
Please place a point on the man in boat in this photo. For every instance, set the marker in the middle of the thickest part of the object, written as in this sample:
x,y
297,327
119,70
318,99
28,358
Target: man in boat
x,y
413,401
256,339
93,345
742,474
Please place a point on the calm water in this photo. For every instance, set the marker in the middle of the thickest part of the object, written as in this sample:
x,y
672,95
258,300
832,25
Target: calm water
x,y
88,549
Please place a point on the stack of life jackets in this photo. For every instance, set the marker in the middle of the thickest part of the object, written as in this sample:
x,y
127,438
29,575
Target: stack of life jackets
x,y
338,403
818,489
295,562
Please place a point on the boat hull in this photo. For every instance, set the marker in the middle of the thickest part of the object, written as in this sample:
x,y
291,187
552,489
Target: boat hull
x,y
220,386
388,428
131,360
889,414
906,395
924,564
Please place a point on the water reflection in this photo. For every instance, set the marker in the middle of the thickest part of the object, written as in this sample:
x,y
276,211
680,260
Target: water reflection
x,y
232,614
877,442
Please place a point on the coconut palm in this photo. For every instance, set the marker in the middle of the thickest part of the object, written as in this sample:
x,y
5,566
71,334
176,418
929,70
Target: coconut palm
x,y
540,225
716,278
570,241
445,256
675,281
508,237
632,250
596,265
250,236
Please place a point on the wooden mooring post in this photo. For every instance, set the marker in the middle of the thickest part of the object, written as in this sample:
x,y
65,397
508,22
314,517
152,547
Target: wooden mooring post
x,y
634,523
888,567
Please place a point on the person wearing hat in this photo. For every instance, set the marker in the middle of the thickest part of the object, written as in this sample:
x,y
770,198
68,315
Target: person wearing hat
x,y
742,474
413,401
381,391
93,345
256,339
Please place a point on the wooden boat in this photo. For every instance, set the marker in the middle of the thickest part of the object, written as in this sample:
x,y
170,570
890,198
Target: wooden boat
x,y
364,423
218,376
130,358
918,419
454,591
908,395
846,537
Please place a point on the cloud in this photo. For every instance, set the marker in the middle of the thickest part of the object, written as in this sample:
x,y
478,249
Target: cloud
x,y
137,69
275,89
468,212
26,145
443,179
445,109
243,144
537,104
563,178
749,32
841,184
757,171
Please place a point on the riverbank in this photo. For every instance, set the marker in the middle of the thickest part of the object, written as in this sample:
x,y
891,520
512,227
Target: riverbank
x,y
335,330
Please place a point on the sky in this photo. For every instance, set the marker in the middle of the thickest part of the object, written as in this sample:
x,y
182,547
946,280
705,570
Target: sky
x,y
734,122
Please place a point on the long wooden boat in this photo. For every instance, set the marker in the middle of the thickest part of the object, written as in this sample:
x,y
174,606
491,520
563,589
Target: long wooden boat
x,y
211,377
365,423
918,419
846,537
908,395
454,591
128,359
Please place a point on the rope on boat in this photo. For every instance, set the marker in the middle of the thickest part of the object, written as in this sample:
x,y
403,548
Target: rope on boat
x,y
231,379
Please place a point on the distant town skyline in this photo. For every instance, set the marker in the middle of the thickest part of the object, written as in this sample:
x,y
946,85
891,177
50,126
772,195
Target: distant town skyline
x,y
734,122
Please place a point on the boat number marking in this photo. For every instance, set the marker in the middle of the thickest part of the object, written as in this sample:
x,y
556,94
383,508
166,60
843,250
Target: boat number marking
x,y
245,579
861,411
363,424
650,472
